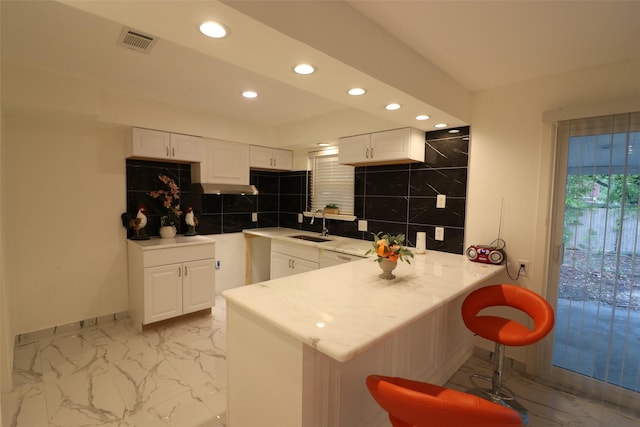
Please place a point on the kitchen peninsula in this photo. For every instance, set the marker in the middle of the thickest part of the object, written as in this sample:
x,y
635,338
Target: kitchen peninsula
x,y
300,347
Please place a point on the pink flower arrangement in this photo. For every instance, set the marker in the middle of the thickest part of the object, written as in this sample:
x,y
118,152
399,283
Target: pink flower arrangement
x,y
169,201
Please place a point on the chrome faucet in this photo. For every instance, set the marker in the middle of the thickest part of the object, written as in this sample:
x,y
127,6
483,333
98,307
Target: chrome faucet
x,y
325,230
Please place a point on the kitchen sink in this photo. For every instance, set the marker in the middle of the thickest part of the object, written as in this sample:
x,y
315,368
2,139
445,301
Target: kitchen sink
x,y
310,238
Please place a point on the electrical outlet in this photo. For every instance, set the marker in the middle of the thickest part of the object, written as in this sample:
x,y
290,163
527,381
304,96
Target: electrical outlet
x,y
300,218
362,225
441,201
439,233
254,216
523,267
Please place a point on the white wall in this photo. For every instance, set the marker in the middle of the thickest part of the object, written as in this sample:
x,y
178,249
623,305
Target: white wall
x,y
511,160
67,258
6,335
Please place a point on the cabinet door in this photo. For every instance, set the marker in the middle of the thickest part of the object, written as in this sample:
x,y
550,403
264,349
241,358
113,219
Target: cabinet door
x,y
354,149
186,148
150,143
390,145
282,159
283,265
280,265
225,163
300,265
162,292
197,285
261,157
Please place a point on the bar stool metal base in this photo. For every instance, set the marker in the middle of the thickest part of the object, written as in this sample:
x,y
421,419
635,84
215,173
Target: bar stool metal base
x,y
497,392
504,396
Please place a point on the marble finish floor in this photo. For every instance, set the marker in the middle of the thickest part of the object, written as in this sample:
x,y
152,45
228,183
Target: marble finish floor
x,y
111,375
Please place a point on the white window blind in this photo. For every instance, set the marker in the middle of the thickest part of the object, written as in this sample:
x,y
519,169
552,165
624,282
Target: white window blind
x,y
331,183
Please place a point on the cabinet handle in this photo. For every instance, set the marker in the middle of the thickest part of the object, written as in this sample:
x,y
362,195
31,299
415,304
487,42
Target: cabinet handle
x,y
274,163
366,153
179,271
372,152
293,264
173,152
167,150
185,271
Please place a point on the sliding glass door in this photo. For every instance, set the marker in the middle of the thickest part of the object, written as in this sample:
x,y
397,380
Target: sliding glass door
x,y
596,268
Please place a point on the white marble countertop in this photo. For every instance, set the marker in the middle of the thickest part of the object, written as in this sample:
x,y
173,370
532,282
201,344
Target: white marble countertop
x,y
179,240
344,310
336,243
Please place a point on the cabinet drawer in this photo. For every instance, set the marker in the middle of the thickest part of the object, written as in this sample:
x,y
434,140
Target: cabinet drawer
x,y
292,249
179,254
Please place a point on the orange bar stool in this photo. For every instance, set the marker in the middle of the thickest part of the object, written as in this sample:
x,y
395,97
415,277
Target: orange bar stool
x,y
503,331
417,404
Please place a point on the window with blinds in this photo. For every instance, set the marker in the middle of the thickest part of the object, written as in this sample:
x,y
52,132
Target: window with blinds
x,y
331,183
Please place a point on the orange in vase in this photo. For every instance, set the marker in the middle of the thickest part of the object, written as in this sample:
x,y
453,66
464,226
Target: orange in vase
x,y
383,249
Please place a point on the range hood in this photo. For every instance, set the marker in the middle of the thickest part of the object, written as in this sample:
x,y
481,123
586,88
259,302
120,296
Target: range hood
x,y
209,188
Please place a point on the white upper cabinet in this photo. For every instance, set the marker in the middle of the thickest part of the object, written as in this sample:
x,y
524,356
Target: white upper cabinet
x,y
271,158
395,146
155,144
186,148
223,163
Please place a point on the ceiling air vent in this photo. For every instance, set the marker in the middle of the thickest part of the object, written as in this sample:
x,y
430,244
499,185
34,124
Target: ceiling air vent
x,y
136,40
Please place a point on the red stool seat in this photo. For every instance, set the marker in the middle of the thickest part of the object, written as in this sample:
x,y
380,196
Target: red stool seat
x,y
417,404
502,330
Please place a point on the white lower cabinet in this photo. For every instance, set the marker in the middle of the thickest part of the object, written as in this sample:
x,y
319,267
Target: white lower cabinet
x,y
166,282
288,259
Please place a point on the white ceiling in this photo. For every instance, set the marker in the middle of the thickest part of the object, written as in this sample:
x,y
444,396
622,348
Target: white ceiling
x,y
430,56
486,44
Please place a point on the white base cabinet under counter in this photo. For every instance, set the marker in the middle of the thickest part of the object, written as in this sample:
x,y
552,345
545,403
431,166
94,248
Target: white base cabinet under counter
x,y
169,278
288,259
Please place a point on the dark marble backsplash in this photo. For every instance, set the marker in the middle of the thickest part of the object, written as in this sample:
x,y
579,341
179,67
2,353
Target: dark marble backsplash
x,y
393,199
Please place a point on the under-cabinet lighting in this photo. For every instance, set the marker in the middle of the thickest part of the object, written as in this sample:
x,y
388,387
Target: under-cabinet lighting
x,y
213,30
323,144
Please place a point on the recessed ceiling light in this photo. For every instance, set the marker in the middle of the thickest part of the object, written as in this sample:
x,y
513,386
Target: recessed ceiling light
x,y
441,125
454,131
249,94
213,30
422,117
304,69
356,91
392,106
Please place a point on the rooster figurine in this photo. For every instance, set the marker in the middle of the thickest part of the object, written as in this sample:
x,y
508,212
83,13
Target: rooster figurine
x,y
191,221
138,224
